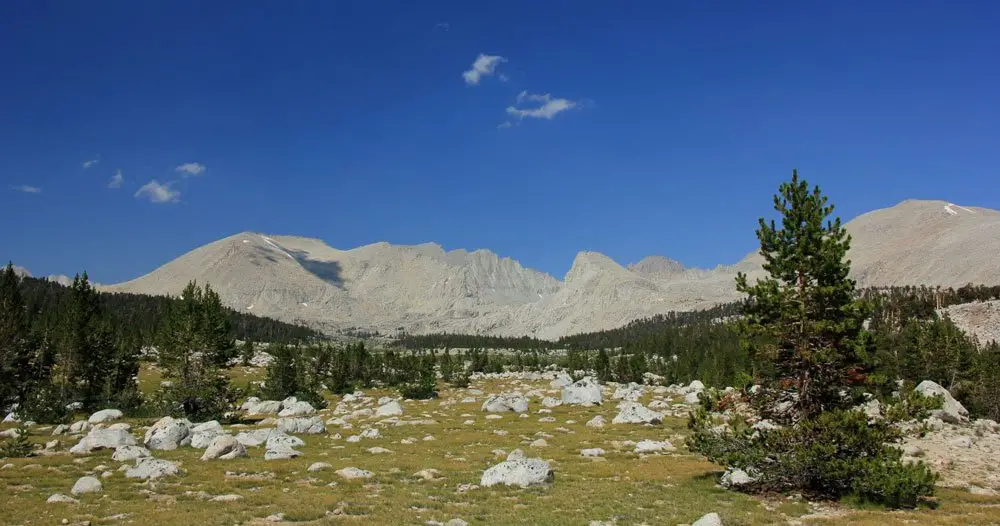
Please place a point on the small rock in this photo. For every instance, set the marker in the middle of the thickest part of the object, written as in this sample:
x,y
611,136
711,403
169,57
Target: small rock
x,y
104,415
318,466
354,473
592,452
87,485
152,469
59,498
710,519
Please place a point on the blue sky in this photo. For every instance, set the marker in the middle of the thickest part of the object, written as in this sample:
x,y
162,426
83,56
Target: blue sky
x,y
644,127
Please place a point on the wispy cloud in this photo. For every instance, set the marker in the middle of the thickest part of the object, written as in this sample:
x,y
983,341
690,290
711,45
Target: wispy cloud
x,y
158,193
189,169
484,66
117,179
505,124
541,107
443,26
27,189
92,162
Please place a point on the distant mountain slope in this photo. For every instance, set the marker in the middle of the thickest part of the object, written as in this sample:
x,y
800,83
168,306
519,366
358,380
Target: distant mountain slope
x,y
423,288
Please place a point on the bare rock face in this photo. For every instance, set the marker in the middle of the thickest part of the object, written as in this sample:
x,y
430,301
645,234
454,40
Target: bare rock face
x,y
518,471
425,289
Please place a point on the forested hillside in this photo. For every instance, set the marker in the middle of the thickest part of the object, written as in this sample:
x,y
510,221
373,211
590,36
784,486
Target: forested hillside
x,y
137,316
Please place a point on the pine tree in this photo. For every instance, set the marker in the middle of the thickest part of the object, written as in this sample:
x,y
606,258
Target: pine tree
x,y
193,339
86,348
15,347
602,365
803,321
803,326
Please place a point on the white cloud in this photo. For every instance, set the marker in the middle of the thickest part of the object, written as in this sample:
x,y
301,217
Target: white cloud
x,y
443,26
547,106
27,189
505,124
92,162
189,169
484,66
117,179
158,193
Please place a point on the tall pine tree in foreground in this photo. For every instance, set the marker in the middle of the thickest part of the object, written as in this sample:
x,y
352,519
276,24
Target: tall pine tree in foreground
x,y
803,322
803,329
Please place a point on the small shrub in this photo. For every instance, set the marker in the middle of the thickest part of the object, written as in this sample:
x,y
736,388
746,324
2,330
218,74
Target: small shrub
x,y
45,404
893,484
17,446
833,455
211,399
459,381
418,391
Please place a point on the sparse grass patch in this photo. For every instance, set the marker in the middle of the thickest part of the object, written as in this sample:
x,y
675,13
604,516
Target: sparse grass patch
x,y
659,489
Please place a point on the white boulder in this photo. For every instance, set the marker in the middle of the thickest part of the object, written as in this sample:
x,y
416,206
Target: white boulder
x,y
506,402
301,425
103,439
951,410
151,469
391,408
168,433
87,485
203,434
104,415
709,519
129,452
518,471
636,413
586,391
292,407
224,447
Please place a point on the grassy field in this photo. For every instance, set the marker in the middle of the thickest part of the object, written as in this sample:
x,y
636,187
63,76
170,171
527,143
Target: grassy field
x,y
669,489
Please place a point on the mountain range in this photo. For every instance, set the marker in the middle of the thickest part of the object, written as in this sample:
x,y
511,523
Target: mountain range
x,y
425,289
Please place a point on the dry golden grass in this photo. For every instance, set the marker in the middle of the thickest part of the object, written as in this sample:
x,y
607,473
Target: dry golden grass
x,y
667,489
